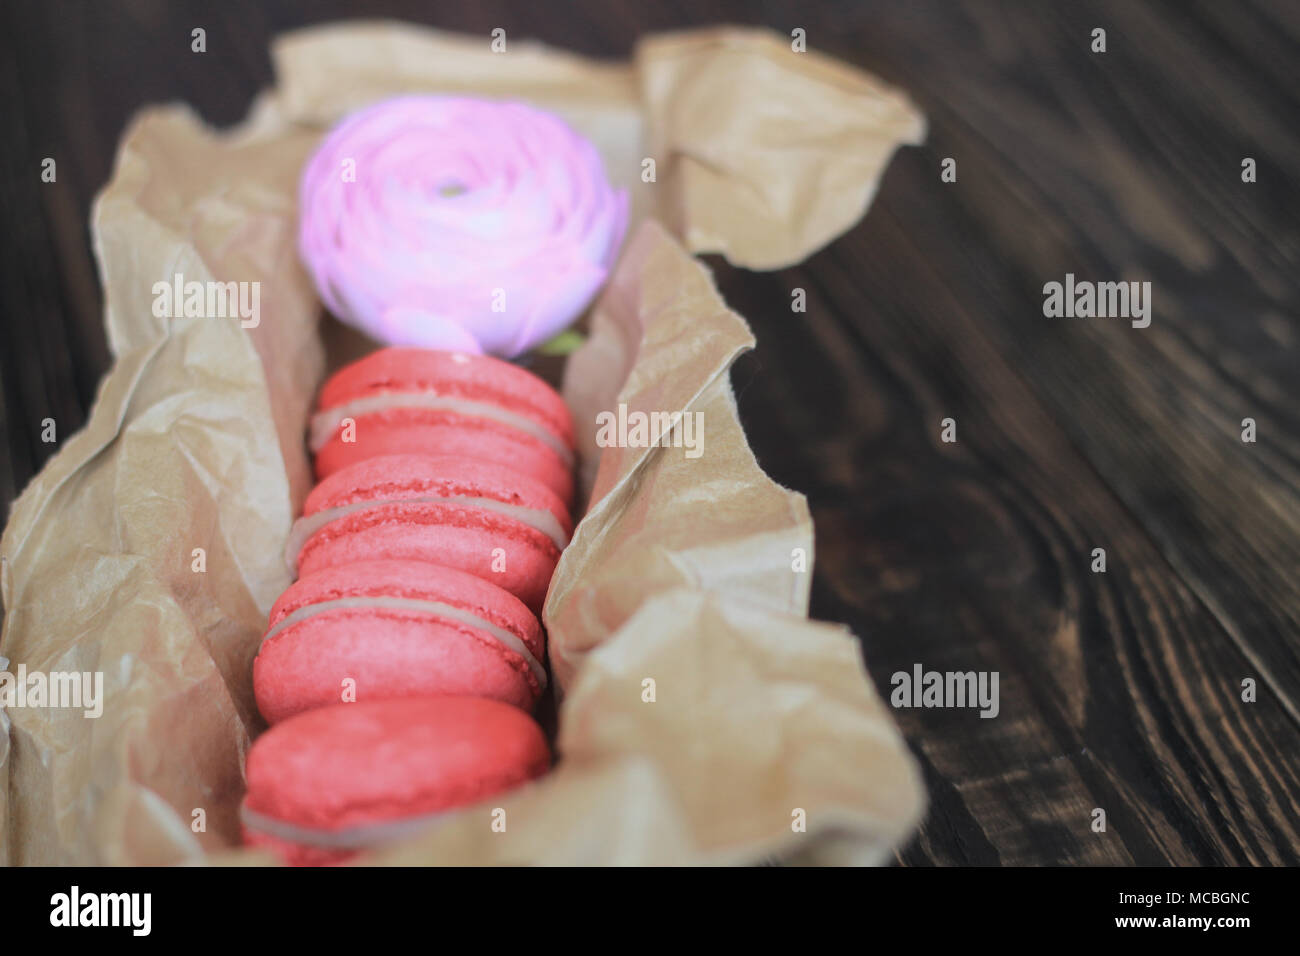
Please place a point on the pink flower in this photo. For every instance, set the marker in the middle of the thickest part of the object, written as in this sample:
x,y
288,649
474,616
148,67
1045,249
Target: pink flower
x,y
457,223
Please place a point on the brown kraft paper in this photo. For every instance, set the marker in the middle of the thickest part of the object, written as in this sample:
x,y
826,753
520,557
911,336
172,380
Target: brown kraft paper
x,y
765,736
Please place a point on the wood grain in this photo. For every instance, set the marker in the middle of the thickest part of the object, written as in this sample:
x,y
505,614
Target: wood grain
x,y
1158,411
1118,690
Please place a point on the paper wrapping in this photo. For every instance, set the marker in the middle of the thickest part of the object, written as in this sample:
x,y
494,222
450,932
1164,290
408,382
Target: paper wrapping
x,y
680,573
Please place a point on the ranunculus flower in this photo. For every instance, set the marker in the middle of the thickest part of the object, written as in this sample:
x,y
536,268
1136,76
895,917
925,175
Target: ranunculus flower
x,y
456,223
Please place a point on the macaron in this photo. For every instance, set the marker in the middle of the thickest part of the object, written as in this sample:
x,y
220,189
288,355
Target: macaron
x,y
379,630
429,401
331,782
462,513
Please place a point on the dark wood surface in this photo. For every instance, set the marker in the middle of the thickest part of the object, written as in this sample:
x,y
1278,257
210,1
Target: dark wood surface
x,y
1118,690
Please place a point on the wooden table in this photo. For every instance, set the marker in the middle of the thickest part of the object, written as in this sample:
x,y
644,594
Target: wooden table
x,y
1119,690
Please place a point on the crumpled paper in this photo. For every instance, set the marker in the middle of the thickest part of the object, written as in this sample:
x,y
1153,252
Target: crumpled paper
x,y
703,718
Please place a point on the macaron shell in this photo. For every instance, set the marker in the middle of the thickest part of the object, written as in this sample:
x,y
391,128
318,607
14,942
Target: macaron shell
x,y
350,765
386,654
426,431
393,477
480,378
495,548
418,580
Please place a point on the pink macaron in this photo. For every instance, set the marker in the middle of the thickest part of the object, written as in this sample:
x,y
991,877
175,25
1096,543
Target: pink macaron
x,y
329,783
379,630
428,401
470,515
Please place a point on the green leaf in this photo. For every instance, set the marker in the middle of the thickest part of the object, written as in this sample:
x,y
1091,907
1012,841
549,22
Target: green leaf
x,y
564,343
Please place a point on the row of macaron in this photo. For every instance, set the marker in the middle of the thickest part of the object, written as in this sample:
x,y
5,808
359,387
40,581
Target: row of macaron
x,y
399,671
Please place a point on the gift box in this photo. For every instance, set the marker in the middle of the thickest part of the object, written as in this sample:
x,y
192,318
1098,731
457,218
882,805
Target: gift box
x,y
700,717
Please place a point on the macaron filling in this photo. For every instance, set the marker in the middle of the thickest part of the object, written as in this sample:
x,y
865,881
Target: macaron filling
x,y
325,423
434,608
347,838
539,519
